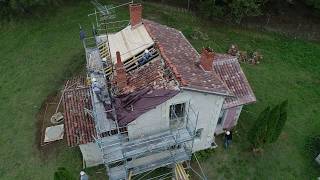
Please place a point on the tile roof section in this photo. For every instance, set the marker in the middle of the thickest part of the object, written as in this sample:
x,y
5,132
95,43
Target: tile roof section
x,y
229,70
151,75
79,126
181,57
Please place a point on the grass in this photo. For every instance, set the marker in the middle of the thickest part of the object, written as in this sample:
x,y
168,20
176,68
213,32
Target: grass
x,y
38,54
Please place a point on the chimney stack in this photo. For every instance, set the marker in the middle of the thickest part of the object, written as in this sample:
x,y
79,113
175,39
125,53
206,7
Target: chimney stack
x,y
121,76
206,59
135,15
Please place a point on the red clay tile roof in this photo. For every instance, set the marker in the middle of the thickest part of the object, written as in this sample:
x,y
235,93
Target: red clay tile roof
x,y
180,56
79,127
150,75
229,70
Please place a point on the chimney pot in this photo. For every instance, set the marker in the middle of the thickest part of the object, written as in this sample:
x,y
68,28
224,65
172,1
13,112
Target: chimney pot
x,y
206,59
135,14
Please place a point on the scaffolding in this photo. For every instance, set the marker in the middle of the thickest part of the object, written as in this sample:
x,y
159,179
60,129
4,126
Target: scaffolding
x,y
125,156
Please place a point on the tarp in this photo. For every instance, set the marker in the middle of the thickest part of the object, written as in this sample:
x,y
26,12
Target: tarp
x,y
129,42
131,106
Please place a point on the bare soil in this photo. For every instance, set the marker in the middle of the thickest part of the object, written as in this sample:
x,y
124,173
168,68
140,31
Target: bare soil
x,y
47,109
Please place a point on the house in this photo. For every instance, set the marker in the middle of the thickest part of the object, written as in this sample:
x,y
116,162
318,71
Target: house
x,y
136,116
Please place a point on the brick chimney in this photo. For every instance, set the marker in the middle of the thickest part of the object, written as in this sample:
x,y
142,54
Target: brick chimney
x,y
206,59
121,76
135,14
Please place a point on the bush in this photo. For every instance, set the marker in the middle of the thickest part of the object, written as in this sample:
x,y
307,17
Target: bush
x,y
204,154
244,8
63,174
211,9
314,3
313,146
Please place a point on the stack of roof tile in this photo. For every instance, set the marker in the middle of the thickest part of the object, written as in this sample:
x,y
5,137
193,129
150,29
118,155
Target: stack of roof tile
x,y
79,126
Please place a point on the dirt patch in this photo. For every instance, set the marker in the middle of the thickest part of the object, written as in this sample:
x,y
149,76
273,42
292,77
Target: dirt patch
x,y
48,108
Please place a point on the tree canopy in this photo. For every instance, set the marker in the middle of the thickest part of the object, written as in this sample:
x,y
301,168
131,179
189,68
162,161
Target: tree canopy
x,y
268,126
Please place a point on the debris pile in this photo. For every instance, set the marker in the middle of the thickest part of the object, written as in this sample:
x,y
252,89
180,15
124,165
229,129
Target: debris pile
x,y
252,58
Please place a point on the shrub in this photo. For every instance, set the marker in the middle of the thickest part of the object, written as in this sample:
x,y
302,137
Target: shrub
x,y
204,154
244,8
314,3
313,146
63,174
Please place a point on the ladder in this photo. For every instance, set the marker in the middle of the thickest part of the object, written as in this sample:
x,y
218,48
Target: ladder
x,y
180,173
105,54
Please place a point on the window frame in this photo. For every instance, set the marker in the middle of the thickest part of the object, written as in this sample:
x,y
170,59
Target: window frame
x,y
174,121
221,117
198,133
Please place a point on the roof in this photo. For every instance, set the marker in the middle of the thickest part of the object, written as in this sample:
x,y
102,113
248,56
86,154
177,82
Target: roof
x,y
79,126
229,70
132,105
148,86
181,57
129,41
150,75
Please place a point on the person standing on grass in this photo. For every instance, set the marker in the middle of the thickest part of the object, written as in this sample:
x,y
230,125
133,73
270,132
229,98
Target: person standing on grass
x,y
227,139
83,176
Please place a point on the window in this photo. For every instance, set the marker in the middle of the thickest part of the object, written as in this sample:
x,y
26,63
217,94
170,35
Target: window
x,y
177,115
199,133
221,117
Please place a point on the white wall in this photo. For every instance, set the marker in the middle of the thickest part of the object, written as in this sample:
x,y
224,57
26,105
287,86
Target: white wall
x,y
151,122
156,120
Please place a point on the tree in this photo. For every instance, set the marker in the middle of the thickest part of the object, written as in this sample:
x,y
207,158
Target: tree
x,y
63,174
281,121
273,123
268,127
258,133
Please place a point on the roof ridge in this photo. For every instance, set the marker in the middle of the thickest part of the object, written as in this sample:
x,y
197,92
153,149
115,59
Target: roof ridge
x,y
179,54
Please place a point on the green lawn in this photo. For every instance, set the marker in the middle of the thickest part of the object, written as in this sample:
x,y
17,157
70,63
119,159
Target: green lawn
x,y
38,54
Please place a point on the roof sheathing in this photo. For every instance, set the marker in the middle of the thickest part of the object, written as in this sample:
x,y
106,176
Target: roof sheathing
x,y
129,42
180,57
